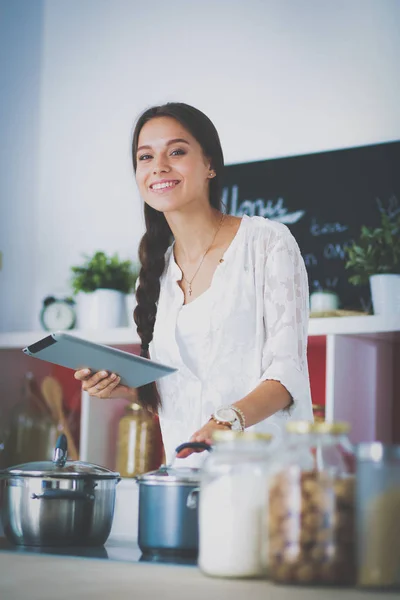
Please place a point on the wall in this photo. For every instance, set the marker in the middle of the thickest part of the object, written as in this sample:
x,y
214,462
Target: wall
x,y
277,78
21,37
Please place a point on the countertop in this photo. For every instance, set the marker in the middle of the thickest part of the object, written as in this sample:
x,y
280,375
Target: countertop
x,y
30,576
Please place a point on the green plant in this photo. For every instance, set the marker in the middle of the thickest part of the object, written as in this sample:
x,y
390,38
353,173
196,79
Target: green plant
x,y
376,252
101,271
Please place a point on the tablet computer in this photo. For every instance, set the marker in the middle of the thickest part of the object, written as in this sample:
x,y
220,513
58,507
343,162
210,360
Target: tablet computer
x,y
67,350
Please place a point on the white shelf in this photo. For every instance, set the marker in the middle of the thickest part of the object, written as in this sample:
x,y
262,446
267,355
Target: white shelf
x,y
369,325
112,337
372,326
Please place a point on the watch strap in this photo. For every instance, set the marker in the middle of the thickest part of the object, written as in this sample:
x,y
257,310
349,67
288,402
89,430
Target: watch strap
x,y
240,416
219,422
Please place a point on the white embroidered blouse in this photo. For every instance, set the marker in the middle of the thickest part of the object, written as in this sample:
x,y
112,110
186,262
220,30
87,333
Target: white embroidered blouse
x,y
255,328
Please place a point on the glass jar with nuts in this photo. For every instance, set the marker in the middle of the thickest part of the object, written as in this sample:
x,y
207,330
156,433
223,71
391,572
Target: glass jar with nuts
x,y
311,520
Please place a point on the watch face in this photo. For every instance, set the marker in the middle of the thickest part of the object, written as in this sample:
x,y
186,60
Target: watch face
x,y
58,315
226,414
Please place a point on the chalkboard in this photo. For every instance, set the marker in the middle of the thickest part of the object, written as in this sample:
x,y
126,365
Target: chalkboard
x,y
323,198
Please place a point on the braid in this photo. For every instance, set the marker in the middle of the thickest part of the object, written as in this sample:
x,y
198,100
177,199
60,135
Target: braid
x,y
152,248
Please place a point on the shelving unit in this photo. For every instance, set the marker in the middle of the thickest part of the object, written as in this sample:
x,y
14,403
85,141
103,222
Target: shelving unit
x,y
354,370
354,365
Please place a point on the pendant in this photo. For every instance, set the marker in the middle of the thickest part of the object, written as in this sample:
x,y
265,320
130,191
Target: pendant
x,y
190,289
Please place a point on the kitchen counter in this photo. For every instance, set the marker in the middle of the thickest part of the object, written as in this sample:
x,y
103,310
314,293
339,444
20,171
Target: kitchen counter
x,y
28,575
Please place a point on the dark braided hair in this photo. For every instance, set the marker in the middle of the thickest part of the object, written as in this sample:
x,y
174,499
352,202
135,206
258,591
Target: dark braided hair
x,y
158,236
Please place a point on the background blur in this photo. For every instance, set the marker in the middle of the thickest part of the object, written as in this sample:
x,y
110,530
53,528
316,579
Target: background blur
x,y
277,77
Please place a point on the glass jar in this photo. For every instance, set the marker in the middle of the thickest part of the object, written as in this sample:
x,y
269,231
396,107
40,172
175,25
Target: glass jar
x,y
319,412
232,505
378,515
31,433
139,442
311,522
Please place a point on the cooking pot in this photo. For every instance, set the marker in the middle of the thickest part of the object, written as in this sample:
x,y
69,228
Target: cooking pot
x,y
58,503
168,509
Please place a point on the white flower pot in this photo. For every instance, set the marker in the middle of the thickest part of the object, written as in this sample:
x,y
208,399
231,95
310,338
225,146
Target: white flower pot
x,y
385,292
102,309
322,301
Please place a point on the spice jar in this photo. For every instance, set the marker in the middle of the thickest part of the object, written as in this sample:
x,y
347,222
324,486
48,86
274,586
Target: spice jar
x,y
378,515
232,509
139,442
311,507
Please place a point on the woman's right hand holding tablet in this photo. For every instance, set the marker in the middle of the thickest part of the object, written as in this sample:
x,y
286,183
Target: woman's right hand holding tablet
x,y
104,385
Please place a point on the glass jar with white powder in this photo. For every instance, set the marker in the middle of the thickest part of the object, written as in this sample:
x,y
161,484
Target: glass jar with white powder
x,y
233,506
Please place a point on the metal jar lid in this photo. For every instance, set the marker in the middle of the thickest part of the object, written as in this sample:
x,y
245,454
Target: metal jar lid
x,y
59,467
324,427
227,435
377,452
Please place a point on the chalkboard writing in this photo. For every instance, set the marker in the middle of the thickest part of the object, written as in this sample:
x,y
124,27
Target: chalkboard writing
x,y
324,199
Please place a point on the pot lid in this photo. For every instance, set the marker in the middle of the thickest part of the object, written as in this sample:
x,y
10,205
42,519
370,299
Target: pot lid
x,y
166,475
59,467
71,470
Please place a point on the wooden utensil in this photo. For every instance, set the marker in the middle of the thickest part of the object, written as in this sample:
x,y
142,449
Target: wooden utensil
x,y
36,394
53,395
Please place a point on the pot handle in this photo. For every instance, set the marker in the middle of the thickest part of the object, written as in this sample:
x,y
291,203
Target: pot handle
x,y
192,499
62,495
193,446
61,451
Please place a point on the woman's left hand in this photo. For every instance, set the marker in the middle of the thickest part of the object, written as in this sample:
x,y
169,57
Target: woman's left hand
x,y
202,435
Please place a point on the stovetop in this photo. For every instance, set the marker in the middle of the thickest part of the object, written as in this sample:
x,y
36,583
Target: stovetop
x,y
121,551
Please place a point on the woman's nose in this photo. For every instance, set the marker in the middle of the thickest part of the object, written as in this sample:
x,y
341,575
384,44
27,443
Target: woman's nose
x,y
160,165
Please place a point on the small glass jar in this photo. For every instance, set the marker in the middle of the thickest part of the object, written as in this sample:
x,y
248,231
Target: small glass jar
x,y
319,412
311,521
139,442
378,515
232,505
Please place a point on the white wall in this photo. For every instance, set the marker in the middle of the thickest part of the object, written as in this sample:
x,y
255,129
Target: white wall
x,y
277,77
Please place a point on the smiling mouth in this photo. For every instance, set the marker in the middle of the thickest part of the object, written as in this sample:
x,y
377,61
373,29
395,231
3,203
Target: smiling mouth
x,y
165,185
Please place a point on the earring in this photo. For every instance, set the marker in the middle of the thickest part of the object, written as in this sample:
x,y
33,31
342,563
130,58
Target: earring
x,y
212,174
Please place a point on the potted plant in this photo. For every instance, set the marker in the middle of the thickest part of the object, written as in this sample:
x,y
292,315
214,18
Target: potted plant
x,y
101,285
375,258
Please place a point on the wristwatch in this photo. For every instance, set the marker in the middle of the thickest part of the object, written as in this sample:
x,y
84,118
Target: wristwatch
x,y
228,416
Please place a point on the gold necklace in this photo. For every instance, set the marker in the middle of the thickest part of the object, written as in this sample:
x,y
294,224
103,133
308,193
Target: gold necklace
x,y
203,257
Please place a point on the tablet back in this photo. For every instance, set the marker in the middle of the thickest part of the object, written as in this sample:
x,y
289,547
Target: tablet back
x,y
75,353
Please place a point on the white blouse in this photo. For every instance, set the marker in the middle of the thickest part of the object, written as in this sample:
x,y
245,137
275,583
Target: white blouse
x,y
255,328
192,328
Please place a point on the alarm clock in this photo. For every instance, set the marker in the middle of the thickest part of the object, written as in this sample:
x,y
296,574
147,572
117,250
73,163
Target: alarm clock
x,y
58,314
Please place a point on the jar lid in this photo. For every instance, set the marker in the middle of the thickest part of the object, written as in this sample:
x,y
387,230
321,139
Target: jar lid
x,y
166,475
227,435
317,427
71,470
377,452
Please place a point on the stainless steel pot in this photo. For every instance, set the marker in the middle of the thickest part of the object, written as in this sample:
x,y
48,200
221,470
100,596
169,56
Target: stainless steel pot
x,y
168,509
58,503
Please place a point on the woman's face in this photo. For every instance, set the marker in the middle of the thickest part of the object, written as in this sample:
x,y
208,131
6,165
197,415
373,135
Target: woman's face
x,y
172,170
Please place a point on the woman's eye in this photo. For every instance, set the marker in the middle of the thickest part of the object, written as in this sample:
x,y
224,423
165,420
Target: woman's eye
x,y
144,156
177,152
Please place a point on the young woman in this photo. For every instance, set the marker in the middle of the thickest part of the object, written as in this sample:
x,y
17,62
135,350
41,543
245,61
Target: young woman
x,y
221,298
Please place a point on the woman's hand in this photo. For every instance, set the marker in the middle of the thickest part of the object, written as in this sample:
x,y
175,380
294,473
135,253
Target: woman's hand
x,y
203,435
104,385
